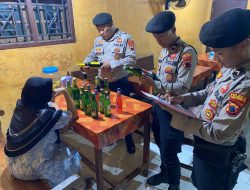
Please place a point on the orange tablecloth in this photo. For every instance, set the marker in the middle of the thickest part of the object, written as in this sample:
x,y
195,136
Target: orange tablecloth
x,y
104,131
204,61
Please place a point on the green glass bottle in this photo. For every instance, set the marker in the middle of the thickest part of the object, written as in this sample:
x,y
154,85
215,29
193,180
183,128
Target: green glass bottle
x,y
134,71
89,91
94,107
85,81
106,86
101,101
150,74
82,98
90,64
87,103
107,105
97,83
68,87
76,94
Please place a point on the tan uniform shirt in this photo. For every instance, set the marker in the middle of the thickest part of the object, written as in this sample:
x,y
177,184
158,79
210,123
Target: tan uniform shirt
x,y
118,51
176,70
225,107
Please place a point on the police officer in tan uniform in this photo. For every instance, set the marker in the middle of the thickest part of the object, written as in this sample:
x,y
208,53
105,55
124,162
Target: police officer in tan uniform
x,y
175,71
219,148
114,49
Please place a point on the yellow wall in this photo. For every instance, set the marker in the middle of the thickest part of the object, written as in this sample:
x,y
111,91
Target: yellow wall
x,y
248,5
16,65
130,15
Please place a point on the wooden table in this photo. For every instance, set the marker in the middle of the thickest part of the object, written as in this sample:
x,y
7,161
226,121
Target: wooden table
x,y
105,131
203,60
201,73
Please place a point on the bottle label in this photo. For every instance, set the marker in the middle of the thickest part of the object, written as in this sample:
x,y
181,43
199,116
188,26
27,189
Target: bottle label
x,y
88,109
108,110
94,112
75,96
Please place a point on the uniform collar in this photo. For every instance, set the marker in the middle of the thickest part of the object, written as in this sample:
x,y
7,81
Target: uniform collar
x,y
237,72
112,38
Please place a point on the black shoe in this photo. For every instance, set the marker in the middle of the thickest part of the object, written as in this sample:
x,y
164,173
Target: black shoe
x,y
130,144
174,187
157,179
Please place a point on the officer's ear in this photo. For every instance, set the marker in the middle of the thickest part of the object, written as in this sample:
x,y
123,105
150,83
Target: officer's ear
x,y
110,23
245,43
173,29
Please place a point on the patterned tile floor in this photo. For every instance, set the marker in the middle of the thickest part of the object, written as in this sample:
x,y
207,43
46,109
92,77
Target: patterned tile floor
x,y
117,162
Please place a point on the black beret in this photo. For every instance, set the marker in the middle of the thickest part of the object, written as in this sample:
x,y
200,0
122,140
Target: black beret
x,y
226,30
102,18
161,22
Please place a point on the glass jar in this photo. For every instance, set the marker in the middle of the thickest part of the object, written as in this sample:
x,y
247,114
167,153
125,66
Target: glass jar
x,y
211,55
52,72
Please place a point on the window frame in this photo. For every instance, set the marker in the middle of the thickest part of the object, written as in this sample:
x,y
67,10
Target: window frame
x,y
34,32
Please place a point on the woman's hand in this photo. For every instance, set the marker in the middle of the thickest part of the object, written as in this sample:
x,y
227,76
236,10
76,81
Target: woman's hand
x,y
58,92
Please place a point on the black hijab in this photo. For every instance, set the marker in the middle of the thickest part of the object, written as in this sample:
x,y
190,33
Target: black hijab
x,y
32,118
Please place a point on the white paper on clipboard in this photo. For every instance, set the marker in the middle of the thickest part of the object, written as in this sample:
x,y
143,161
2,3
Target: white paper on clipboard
x,y
177,107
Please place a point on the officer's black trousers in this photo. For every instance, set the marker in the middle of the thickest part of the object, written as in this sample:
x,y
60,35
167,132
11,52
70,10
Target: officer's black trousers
x,y
169,141
208,177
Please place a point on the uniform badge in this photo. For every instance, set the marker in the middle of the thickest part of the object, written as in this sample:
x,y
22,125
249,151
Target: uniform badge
x,y
119,40
213,104
187,60
219,75
117,50
209,114
131,44
232,109
98,50
117,56
224,89
169,78
187,64
238,98
172,56
169,70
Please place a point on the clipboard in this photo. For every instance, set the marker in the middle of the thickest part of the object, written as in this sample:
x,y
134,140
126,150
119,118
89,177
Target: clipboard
x,y
178,108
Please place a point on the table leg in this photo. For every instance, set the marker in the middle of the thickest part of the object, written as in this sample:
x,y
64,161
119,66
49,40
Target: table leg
x,y
146,149
99,169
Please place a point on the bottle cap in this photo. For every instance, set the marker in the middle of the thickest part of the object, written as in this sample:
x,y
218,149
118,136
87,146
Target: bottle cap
x,y
50,70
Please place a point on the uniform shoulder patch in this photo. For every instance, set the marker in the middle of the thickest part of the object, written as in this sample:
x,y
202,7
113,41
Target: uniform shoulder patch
x,y
236,102
232,109
238,98
131,44
186,59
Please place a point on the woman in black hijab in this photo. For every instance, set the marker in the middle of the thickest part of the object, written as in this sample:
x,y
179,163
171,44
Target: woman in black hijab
x,y
32,142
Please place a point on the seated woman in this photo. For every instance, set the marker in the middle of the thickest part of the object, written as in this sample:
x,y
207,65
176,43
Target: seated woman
x,y
33,146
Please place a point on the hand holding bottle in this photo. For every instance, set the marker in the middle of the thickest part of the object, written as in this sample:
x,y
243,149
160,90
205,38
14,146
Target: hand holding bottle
x,y
106,66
